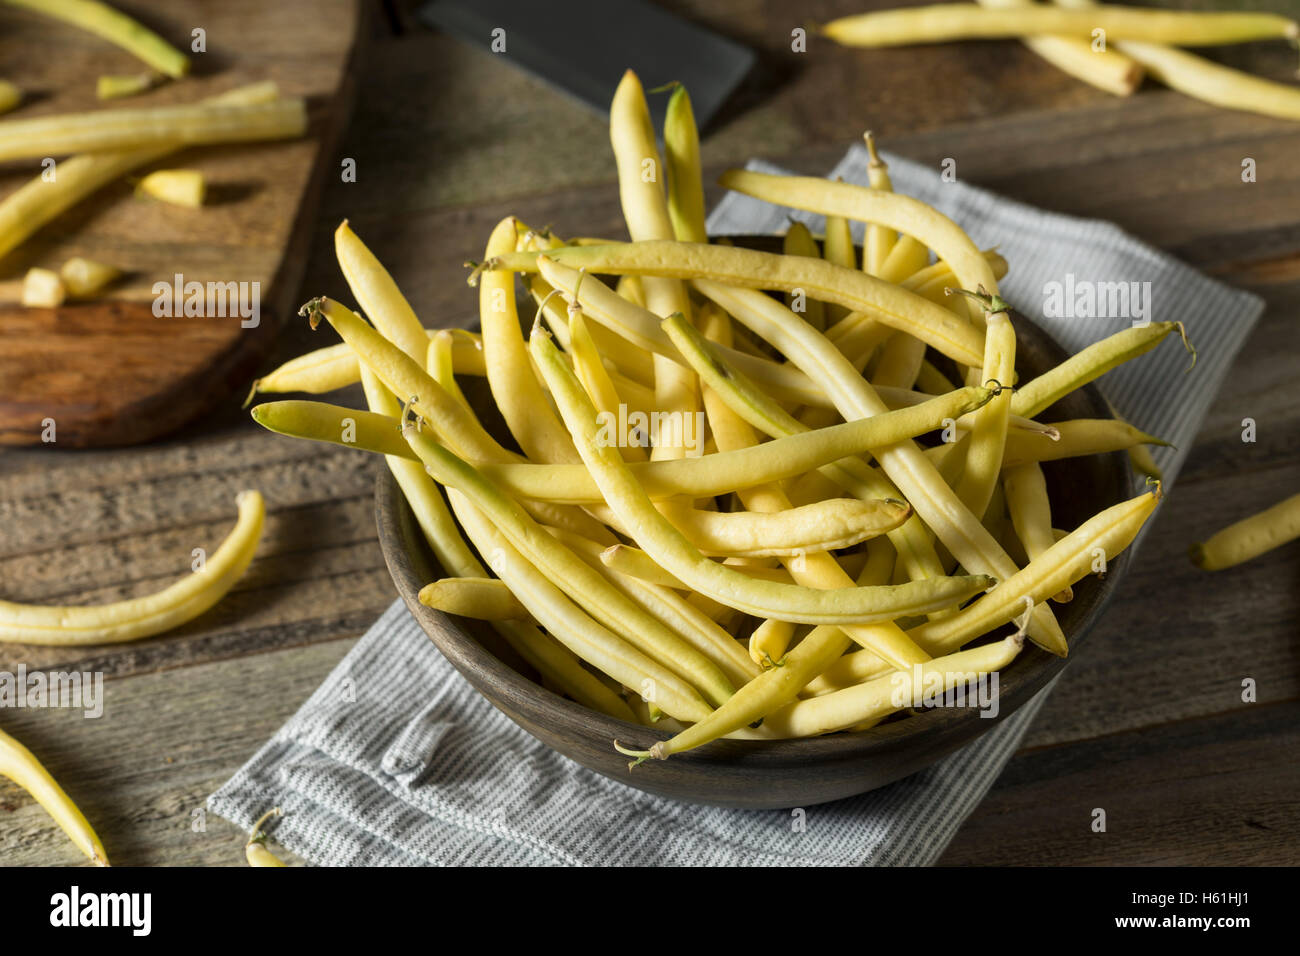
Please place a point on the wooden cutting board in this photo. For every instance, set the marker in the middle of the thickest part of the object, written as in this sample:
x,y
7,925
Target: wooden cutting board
x,y
111,372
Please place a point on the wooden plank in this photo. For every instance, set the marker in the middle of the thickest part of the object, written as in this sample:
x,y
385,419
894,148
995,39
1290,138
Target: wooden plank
x,y
318,572
1217,791
95,368
140,790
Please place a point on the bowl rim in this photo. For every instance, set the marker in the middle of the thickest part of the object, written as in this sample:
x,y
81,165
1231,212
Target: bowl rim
x,y
1018,682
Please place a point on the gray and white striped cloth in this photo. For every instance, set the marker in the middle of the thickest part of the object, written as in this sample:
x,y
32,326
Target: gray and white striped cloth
x,y
395,760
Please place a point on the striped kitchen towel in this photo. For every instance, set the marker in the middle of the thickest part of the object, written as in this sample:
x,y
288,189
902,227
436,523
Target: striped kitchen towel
x,y
396,760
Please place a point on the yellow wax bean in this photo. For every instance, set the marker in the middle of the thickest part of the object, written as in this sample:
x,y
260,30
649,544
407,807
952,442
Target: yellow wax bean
x,y
115,27
1250,537
798,241
705,476
1106,69
718,265
943,22
909,216
847,708
685,185
1097,359
255,851
153,127
1206,80
484,599
144,616
336,366
21,766
1030,511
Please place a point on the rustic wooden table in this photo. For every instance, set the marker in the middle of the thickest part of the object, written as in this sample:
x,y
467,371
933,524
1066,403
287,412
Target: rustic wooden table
x,y
1148,722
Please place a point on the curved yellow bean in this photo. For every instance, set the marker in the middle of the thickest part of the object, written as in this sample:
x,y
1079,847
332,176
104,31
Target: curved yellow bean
x,y
645,209
255,851
1213,82
115,27
144,616
1076,438
819,526
21,766
377,293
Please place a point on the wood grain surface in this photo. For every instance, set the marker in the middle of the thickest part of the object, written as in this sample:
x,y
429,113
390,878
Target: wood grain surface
x,y
95,368
1148,723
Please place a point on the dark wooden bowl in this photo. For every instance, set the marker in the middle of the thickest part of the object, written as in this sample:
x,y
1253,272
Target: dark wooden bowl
x,y
778,773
